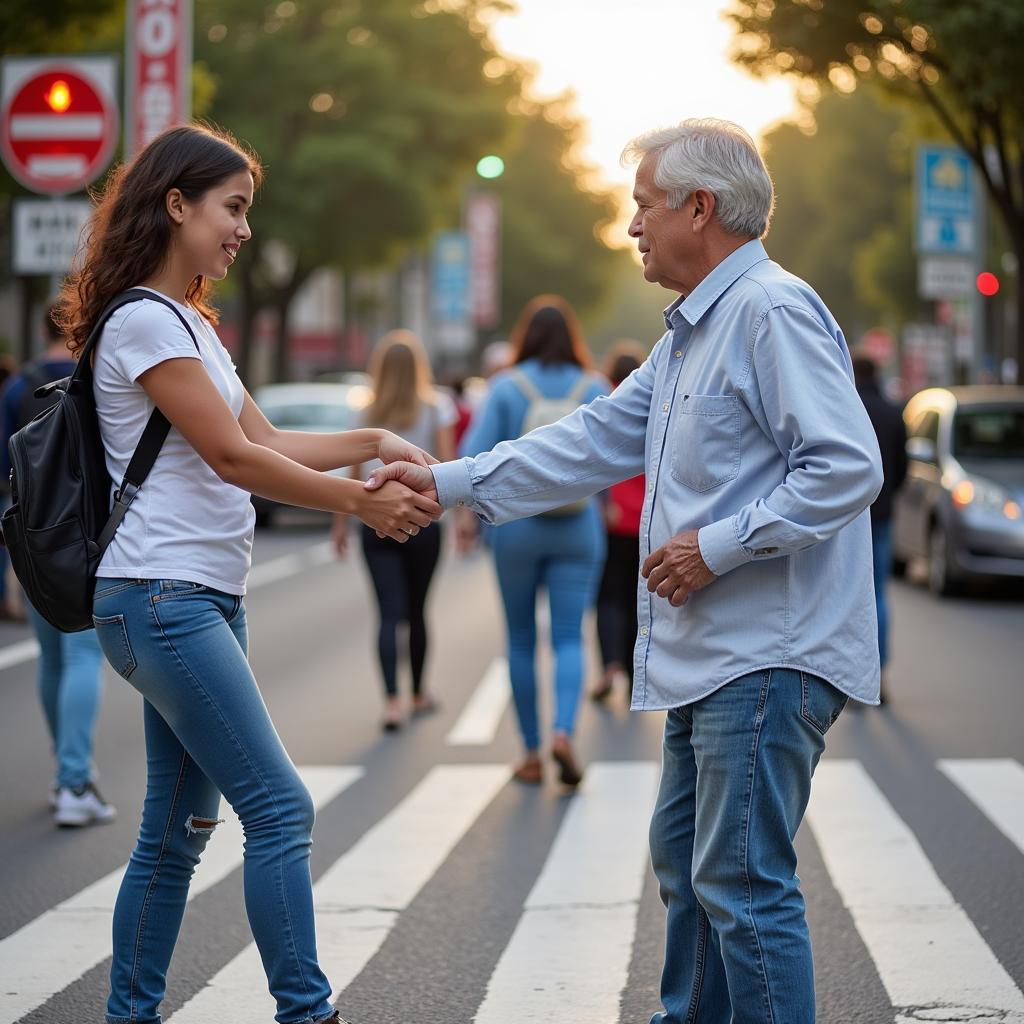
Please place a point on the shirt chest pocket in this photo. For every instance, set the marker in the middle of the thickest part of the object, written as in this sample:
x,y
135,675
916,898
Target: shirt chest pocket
x,y
706,442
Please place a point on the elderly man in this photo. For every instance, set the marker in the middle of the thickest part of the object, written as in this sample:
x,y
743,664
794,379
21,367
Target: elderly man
x,y
757,622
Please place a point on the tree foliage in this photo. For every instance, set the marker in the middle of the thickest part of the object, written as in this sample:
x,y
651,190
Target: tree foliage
x,y
366,115
552,218
841,192
961,61
56,26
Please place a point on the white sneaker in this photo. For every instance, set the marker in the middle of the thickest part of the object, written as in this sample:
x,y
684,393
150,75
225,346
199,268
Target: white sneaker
x,y
83,805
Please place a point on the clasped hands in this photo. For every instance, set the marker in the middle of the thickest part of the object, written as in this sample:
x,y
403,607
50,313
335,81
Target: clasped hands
x,y
401,495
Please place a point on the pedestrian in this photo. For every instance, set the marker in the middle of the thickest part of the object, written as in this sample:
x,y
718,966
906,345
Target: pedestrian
x,y
561,550
617,594
69,669
405,401
10,607
169,609
891,433
759,621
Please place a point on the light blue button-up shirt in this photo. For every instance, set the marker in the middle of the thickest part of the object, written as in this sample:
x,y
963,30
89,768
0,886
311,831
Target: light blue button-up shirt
x,y
747,425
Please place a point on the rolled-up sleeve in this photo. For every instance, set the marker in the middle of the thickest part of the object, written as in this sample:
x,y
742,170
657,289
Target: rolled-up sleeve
x,y
801,389
584,452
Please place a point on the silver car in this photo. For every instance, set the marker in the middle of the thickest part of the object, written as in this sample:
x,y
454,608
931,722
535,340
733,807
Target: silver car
x,y
961,505
318,407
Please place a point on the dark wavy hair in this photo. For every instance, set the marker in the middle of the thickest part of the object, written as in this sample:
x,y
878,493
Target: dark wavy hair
x,y
129,232
547,330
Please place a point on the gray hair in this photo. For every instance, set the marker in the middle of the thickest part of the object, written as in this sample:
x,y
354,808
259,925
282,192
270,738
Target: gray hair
x,y
715,155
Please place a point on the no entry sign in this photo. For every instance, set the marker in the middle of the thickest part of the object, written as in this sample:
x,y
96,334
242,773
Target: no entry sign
x,y
59,121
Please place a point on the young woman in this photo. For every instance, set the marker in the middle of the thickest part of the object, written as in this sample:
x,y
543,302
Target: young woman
x,y
168,602
562,551
404,400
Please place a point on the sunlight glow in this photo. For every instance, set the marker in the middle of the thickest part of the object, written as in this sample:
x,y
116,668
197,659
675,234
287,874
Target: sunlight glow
x,y
643,65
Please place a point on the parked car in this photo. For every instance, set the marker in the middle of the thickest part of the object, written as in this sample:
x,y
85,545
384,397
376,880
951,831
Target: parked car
x,y
961,505
317,407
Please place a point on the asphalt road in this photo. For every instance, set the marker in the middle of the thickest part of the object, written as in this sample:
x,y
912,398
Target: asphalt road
x,y
446,893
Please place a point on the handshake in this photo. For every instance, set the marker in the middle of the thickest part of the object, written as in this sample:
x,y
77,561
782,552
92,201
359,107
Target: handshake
x,y
400,497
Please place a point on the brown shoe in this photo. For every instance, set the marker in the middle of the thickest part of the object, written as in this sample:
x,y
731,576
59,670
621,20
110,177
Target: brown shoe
x,y
569,771
529,772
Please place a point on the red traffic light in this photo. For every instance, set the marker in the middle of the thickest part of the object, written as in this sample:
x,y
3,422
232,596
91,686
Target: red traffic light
x,y
988,283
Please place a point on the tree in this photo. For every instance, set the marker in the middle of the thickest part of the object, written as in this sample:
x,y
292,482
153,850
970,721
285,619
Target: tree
x,y
960,61
57,26
551,218
367,117
837,188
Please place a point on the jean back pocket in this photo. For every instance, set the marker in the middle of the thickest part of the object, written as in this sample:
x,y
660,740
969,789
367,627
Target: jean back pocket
x,y
113,638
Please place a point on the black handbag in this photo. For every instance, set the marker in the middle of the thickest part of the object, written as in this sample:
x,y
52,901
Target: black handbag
x,y
60,520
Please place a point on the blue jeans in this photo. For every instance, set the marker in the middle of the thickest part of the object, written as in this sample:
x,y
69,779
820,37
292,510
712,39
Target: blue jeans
x,y
565,554
183,647
70,682
735,781
881,556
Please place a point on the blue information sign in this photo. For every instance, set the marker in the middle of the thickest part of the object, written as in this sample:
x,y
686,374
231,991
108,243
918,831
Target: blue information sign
x,y
449,273
945,200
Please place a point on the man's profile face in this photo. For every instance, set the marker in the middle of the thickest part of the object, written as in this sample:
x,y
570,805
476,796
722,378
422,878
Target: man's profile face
x,y
664,237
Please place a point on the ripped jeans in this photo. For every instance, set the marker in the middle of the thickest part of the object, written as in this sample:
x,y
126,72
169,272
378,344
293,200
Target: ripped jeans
x,y
183,647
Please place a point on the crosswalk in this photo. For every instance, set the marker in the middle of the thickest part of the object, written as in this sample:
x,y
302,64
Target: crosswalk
x,y
573,941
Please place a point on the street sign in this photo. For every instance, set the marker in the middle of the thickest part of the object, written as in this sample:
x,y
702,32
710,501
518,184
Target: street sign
x,y
483,225
158,69
945,200
450,291
944,277
59,121
47,234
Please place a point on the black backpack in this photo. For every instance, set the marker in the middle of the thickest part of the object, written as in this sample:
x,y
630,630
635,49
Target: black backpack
x,y
60,521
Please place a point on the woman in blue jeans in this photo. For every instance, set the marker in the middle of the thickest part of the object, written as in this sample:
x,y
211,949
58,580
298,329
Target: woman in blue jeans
x,y
562,551
168,608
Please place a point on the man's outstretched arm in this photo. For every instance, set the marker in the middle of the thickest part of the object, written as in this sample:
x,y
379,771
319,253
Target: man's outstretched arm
x,y
583,453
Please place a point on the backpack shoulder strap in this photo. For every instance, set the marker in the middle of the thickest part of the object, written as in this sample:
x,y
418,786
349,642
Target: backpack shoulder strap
x,y
157,427
523,382
579,389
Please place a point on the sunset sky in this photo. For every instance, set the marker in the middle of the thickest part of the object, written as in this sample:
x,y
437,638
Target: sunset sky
x,y
638,64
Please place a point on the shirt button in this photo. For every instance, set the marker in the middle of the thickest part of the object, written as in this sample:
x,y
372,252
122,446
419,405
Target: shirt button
x,y
678,353
664,408
461,503
650,486
644,631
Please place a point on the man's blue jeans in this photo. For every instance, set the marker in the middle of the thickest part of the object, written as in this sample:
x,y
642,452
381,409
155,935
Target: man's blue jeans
x,y
70,683
565,554
735,783
183,647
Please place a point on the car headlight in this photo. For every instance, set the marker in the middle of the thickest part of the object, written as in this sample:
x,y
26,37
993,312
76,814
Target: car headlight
x,y
985,495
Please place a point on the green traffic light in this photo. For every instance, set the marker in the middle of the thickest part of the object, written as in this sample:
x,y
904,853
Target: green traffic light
x,y
490,167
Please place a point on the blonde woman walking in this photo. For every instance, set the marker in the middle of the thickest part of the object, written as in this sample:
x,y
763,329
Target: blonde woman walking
x,y
404,398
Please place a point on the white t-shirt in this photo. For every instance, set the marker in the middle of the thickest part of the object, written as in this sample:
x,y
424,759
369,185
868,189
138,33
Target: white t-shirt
x,y
185,523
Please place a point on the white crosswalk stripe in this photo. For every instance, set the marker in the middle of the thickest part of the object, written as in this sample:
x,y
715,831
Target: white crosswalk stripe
x,y
929,955
996,785
572,944
481,717
58,947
